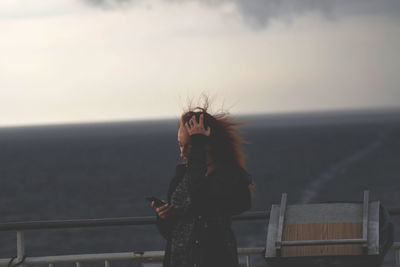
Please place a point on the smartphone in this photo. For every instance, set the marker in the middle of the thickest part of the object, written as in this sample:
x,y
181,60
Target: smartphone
x,y
157,202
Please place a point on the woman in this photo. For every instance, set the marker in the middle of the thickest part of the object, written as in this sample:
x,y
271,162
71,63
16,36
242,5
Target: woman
x,y
208,188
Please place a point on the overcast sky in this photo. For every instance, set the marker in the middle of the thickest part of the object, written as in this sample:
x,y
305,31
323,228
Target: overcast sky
x,y
100,60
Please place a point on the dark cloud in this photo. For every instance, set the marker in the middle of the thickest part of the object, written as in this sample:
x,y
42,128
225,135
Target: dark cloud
x,y
106,2
109,3
258,13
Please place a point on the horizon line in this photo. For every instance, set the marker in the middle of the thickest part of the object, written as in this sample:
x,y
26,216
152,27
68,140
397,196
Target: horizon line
x,y
153,119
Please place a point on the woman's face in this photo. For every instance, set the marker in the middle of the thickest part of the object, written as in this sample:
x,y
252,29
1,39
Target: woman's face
x,y
184,142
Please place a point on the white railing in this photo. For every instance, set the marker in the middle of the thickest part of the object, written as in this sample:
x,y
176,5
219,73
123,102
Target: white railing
x,y
137,258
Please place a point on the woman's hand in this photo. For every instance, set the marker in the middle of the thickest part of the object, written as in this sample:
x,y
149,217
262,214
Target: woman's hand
x,y
162,211
194,127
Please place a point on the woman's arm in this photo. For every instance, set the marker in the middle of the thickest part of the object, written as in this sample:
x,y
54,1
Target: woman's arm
x,y
226,192
198,181
234,197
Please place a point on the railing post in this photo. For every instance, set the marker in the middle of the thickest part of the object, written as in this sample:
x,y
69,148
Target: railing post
x,y
248,263
20,246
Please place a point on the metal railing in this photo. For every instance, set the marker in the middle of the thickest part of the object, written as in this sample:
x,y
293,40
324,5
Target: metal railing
x,y
137,258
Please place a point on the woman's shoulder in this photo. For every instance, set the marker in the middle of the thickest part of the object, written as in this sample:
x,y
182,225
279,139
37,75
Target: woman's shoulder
x,y
235,174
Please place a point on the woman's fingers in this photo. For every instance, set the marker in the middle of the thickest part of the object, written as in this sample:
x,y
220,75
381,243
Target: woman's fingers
x,y
187,127
163,211
194,127
161,208
153,204
201,120
208,131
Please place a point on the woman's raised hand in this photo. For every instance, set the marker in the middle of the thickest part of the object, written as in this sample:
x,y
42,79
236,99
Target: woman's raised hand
x,y
162,211
194,127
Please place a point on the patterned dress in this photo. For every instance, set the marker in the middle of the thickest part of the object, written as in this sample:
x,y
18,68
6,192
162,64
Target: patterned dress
x,y
181,249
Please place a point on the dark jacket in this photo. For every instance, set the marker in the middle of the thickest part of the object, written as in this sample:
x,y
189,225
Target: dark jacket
x,y
214,199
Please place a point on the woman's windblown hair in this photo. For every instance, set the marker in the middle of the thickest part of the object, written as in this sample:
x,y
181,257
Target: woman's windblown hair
x,y
226,144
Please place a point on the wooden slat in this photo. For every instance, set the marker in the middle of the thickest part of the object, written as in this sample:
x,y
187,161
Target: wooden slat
x,y
322,231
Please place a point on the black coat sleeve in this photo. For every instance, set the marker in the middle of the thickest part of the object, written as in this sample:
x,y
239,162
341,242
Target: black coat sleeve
x,y
198,181
227,192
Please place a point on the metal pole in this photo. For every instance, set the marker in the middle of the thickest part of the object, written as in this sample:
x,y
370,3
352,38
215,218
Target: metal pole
x,y
282,211
107,263
20,246
365,221
248,261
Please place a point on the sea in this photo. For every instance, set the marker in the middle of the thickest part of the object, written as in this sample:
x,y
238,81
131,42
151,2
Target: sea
x,y
105,170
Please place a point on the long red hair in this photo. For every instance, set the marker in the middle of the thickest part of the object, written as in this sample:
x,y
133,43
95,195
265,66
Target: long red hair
x,y
226,143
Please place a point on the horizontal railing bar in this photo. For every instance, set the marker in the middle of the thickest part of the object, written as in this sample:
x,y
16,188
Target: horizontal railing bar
x,y
323,242
79,223
150,255
31,225
146,256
